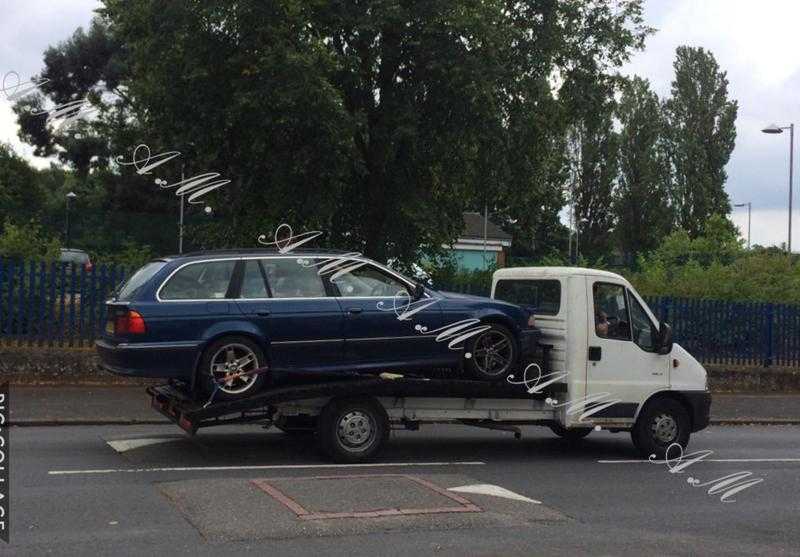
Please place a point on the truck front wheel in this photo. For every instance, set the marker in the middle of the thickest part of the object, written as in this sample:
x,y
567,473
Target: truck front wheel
x,y
352,430
660,424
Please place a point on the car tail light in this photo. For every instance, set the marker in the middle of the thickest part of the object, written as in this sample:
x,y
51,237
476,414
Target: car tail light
x,y
129,323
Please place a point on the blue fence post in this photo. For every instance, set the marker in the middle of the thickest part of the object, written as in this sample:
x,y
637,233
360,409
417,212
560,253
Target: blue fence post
x,y
768,336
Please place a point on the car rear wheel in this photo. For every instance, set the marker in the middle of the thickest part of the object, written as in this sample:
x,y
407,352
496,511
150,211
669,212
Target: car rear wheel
x,y
225,368
492,355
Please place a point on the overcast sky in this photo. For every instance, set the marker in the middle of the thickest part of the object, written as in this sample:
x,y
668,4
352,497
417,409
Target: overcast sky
x,y
755,42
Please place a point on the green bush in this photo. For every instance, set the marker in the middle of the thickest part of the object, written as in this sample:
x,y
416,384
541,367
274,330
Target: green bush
x,y
27,242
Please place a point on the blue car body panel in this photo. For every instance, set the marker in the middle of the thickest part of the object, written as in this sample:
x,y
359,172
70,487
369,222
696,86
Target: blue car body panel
x,y
331,332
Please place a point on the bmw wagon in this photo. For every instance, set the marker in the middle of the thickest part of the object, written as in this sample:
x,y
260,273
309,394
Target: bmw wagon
x,y
211,319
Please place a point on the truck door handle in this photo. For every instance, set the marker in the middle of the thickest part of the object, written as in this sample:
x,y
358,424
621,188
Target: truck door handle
x,y
354,311
595,353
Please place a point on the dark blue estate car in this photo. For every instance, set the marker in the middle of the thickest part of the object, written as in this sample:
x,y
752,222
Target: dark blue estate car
x,y
210,318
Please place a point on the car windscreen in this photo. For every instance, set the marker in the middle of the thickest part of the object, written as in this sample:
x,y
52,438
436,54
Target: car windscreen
x,y
543,295
138,279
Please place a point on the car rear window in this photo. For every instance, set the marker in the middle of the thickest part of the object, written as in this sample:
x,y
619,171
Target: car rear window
x,y
207,280
544,295
138,279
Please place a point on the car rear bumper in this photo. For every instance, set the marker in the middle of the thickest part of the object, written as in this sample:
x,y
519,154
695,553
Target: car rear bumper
x,y
173,360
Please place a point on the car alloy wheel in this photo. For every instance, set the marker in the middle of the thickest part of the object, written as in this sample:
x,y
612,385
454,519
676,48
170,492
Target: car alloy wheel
x,y
229,367
493,353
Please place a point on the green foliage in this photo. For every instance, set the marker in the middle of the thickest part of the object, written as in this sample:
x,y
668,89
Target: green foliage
x,y
21,196
27,242
130,255
701,125
642,206
715,266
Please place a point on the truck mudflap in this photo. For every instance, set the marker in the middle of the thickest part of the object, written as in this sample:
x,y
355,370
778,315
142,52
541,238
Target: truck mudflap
x,y
190,414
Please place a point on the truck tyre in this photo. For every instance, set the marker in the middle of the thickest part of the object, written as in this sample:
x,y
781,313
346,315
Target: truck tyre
x,y
660,424
572,434
491,355
352,430
231,354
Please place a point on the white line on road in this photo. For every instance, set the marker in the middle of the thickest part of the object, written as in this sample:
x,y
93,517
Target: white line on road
x,y
260,467
494,491
125,445
704,460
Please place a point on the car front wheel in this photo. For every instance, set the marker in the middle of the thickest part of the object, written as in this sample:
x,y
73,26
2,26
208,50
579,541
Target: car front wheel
x,y
226,369
491,355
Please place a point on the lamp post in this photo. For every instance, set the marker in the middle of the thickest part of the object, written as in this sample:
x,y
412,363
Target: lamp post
x,y
70,195
749,206
775,128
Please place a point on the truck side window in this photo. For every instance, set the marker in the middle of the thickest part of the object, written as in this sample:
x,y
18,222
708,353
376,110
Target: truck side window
x,y
641,325
611,312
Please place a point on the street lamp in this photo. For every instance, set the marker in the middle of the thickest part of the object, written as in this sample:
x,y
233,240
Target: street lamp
x,y
70,195
749,206
775,128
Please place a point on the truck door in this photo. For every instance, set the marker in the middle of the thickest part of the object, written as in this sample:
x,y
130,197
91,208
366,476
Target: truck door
x,y
622,359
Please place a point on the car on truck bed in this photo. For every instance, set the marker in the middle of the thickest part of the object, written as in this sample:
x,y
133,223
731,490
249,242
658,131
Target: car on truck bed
x,y
216,320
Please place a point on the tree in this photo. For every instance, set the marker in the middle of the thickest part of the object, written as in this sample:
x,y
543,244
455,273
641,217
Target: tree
x,y
642,206
593,161
701,123
21,196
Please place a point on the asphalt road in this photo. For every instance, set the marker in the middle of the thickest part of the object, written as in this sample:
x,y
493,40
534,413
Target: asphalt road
x,y
147,489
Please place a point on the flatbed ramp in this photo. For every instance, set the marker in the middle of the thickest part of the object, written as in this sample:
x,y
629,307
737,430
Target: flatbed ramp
x,y
403,398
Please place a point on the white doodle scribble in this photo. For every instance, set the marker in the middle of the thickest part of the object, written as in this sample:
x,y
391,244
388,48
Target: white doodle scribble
x,y
61,116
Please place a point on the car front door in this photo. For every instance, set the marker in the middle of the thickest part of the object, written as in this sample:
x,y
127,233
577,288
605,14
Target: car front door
x,y
373,301
303,323
623,364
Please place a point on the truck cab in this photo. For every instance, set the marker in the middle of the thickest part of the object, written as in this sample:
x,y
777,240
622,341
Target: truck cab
x,y
622,369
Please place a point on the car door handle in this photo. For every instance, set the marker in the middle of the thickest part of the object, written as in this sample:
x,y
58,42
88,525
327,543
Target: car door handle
x,y
354,311
263,312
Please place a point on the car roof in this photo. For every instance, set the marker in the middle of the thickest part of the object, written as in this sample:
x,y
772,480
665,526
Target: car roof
x,y
224,253
552,272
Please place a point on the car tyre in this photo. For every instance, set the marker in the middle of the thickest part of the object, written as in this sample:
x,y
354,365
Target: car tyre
x,y
491,355
231,354
352,430
661,423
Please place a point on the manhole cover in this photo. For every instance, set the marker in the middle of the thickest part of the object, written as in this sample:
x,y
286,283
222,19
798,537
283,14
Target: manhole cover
x,y
363,496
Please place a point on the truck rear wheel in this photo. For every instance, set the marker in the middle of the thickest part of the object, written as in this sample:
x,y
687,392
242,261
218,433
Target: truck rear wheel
x,y
660,424
571,434
352,430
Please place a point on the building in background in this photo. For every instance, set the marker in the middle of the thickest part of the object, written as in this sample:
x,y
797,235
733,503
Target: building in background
x,y
469,252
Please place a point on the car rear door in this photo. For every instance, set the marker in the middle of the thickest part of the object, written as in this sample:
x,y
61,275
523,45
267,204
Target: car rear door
x,y
302,323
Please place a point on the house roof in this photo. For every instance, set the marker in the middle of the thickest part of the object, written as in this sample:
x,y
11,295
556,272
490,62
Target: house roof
x,y
473,228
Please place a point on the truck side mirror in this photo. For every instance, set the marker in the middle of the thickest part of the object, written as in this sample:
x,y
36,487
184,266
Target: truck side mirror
x,y
664,338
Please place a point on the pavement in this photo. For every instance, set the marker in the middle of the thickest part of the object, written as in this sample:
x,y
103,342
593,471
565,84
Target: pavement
x,y
87,405
444,490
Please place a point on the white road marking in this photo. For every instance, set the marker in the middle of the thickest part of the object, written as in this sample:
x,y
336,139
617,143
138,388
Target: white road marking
x,y
704,460
124,445
493,490
260,467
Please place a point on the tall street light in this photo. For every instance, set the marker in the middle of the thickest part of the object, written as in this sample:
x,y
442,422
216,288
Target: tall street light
x,y
775,128
71,195
749,206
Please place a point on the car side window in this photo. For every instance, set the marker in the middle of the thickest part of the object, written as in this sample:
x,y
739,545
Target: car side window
x,y
641,326
254,281
208,280
367,281
293,277
611,311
